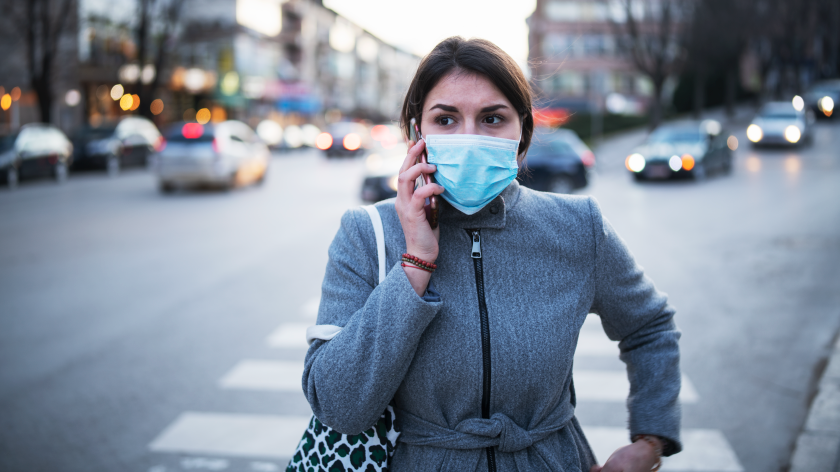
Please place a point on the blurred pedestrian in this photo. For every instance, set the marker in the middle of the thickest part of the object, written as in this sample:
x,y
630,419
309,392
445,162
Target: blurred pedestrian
x,y
473,331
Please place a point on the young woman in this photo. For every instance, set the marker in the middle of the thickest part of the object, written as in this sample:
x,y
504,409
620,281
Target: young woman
x,y
473,333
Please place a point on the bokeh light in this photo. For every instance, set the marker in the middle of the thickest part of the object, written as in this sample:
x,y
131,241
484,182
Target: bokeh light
x,y
310,134
72,98
754,133
218,114
675,163
192,130
798,103
293,136
126,101
753,164
270,132
732,142
135,102
2,91
15,93
117,91
6,102
156,107
635,162
687,161
203,116
792,134
352,141
324,141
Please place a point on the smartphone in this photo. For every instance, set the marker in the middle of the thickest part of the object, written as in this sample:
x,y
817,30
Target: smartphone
x,y
432,207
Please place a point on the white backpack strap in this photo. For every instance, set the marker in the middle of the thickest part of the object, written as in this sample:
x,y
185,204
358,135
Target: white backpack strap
x,y
379,232
327,332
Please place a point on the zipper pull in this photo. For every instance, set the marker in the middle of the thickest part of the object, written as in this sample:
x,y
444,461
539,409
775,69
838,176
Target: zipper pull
x,y
476,247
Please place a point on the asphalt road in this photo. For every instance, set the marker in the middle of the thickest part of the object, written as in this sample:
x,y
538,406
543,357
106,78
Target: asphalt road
x,y
132,323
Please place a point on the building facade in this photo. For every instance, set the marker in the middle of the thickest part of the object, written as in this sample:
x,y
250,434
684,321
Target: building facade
x,y
575,60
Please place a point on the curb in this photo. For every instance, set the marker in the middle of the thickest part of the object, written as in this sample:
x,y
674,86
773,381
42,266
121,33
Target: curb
x,y
818,445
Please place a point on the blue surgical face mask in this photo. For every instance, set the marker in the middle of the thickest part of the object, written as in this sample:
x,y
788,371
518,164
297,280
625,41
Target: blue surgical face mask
x,y
472,169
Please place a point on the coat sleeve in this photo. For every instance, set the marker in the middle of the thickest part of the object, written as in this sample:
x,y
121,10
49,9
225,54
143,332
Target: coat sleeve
x,y
350,379
633,312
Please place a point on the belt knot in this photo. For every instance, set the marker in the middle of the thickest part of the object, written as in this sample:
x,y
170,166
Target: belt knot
x,y
512,438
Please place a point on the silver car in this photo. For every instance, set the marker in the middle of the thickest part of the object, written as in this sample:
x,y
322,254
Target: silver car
x,y
38,150
780,123
223,154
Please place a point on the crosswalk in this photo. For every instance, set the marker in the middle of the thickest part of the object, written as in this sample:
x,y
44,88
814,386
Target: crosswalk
x,y
212,440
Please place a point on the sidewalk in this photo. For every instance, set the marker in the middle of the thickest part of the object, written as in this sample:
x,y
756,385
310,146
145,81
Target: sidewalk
x,y
818,445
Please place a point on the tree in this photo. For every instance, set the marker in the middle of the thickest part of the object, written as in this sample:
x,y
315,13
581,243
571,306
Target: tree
x,y
166,14
649,32
40,23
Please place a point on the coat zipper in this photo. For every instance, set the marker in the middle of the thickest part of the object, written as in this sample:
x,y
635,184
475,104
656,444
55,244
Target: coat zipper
x,y
485,337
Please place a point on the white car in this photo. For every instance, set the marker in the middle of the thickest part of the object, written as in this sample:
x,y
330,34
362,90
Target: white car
x,y
222,154
780,123
38,150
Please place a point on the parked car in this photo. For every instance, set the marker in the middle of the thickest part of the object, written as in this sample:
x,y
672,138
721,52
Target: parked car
x,y
130,142
688,149
382,170
225,154
822,97
343,139
780,123
557,161
37,150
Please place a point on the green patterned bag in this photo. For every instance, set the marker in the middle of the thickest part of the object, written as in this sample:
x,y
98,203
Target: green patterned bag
x,y
324,449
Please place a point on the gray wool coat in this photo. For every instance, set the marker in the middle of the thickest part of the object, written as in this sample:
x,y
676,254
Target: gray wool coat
x,y
547,261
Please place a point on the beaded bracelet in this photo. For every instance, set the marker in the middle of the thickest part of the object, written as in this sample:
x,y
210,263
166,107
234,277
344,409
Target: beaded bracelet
x,y
416,267
430,266
657,448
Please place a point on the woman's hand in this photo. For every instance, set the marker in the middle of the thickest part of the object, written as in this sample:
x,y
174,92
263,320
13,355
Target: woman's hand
x,y
420,239
637,457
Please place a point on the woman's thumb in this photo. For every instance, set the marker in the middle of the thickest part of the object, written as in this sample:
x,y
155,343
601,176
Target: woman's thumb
x,y
595,468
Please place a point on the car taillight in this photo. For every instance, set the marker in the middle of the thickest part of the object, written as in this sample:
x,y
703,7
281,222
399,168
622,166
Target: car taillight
x,y
160,145
215,145
588,158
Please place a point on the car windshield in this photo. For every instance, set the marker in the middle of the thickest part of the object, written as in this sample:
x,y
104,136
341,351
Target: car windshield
x,y
550,146
778,115
676,135
190,133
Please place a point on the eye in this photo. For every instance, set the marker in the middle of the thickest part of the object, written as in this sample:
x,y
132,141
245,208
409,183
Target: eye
x,y
444,120
493,119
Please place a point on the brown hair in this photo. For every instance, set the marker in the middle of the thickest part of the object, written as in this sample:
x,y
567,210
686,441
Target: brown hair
x,y
477,56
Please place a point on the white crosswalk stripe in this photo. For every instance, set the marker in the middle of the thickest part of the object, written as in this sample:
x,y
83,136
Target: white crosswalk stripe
x,y
227,434
275,437
281,376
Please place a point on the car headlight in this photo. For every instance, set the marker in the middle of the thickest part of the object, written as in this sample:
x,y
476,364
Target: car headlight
x,y
675,163
635,162
826,104
754,133
392,182
792,134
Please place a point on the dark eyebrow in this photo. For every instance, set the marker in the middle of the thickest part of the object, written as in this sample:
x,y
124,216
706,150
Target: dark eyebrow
x,y
452,109
443,107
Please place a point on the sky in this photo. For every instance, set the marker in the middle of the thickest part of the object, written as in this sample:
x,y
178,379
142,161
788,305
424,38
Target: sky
x,y
418,26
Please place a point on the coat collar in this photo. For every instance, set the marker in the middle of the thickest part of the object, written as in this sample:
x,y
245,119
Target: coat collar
x,y
493,215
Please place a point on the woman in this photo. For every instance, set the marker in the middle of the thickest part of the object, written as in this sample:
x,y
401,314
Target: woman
x,y
477,353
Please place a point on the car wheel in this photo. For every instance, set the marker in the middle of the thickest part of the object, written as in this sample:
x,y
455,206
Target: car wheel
x,y
113,166
561,184
12,177
166,187
60,172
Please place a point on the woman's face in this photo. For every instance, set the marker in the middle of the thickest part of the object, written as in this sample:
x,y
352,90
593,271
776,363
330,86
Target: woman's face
x,y
464,103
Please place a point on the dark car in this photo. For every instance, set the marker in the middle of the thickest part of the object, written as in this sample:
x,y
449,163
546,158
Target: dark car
x,y
38,150
343,139
127,143
382,167
822,97
691,149
557,161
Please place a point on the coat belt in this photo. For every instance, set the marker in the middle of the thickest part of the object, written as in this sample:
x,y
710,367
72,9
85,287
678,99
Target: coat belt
x,y
474,434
